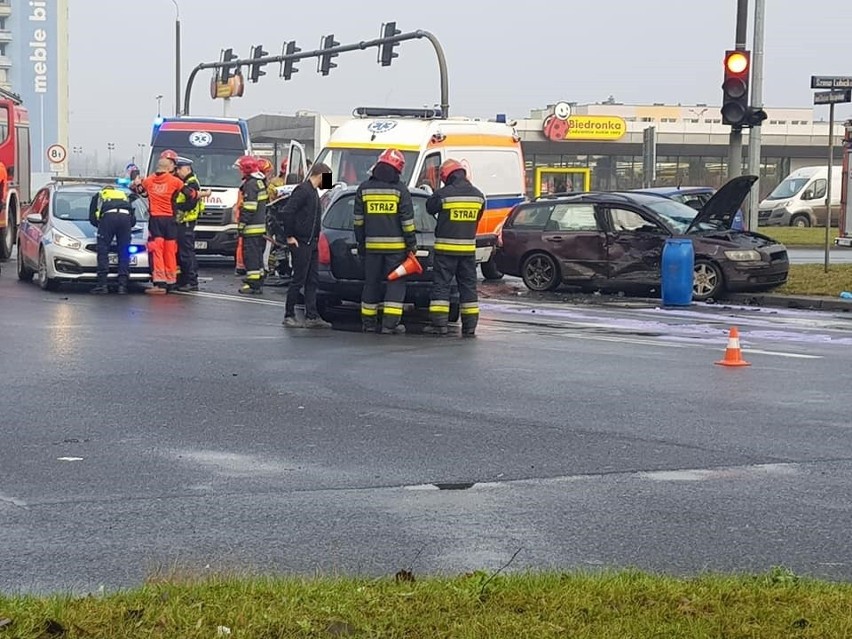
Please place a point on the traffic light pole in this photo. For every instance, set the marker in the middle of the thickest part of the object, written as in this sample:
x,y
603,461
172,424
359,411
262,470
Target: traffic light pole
x,y
318,53
754,134
735,152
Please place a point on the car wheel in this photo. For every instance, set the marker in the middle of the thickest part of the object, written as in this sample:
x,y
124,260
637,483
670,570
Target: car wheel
x,y
25,274
46,283
540,272
801,221
7,237
490,271
708,280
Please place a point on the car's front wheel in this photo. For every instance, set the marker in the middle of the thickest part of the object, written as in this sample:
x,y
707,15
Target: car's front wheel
x,y
540,272
708,281
46,283
801,221
25,274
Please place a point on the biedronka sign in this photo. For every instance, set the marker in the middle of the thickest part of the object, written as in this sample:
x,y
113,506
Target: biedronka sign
x,y
561,125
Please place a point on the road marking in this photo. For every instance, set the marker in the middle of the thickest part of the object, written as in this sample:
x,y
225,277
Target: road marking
x,y
69,459
20,503
233,298
755,351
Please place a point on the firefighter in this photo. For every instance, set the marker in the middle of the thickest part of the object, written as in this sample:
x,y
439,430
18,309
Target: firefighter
x,y
188,206
111,212
252,223
385,234
458,206
162,189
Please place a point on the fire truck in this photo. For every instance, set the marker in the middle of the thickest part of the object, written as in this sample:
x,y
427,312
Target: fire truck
x,y
845,221
15,155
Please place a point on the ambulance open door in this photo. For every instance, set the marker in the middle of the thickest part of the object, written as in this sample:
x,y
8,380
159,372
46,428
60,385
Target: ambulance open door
x,y
557,180
297,161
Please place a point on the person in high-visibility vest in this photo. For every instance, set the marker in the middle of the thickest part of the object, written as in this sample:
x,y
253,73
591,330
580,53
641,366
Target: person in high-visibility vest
x,y
111,212
189,205
252,222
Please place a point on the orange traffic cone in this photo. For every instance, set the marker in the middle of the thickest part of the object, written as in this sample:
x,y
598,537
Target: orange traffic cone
x,y
411,266
733,354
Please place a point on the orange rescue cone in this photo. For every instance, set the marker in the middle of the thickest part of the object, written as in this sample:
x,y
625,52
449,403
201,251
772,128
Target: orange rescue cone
x,y
733,354
411,266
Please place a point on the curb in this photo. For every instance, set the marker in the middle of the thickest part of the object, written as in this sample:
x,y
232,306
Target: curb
x,y
805,302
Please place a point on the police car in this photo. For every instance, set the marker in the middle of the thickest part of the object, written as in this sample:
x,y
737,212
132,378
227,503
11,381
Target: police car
x,y
57,243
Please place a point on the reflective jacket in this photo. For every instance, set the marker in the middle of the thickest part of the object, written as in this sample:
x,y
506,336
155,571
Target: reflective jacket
x,y
458,206
384,216
188,204
110,200
253,206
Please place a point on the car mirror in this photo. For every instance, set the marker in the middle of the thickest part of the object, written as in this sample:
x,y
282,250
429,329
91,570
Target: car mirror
x,y
427,188
35,218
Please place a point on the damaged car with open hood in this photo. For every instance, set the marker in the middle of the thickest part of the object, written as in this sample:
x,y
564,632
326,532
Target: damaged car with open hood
x,y
614,241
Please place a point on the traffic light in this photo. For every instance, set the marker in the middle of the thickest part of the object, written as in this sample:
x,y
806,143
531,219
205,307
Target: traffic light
x,y
735,88
325,64
288,67
386,51
228,55
256,68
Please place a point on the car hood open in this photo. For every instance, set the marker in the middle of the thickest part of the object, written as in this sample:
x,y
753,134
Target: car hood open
x,y
720,210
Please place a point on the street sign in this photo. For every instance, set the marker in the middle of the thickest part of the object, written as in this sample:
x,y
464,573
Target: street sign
x,y
56,153
833,97
831,82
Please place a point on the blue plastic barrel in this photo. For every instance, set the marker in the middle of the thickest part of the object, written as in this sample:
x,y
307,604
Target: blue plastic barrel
x,y
677,272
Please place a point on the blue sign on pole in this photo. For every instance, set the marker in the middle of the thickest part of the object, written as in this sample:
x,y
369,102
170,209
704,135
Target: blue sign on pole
x,y
38,72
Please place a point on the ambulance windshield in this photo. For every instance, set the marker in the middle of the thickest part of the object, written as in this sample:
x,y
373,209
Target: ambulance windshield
x,y
212,167
352,166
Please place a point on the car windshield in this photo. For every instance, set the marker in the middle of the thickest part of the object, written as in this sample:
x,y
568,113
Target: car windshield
x,y
73,205
352,166
788,188
340,216
211,167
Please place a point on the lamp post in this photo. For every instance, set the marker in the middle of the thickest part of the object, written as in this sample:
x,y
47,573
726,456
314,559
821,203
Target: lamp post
x,y
78,151
159,100
110,149
177,57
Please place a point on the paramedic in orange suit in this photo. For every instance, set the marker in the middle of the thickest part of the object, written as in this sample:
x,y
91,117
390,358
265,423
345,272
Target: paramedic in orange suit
x,y
162,189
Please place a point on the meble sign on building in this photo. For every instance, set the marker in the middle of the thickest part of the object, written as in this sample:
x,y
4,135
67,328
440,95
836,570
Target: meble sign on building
x,y
562,125
39,73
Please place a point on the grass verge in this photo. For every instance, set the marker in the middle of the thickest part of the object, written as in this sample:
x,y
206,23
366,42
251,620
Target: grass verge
x,y
626,604
811,279
792,236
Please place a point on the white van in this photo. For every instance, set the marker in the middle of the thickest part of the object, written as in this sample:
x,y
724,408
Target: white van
x,y
490,151
800,199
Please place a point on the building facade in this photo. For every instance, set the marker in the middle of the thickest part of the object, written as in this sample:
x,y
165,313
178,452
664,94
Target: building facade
x,y
607,142
34,64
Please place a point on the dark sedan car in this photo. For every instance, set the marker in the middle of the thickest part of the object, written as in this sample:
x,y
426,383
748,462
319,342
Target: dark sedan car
x,y
615,241
341,269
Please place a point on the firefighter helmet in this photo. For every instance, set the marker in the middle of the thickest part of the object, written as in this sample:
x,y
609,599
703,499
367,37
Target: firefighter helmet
x,y
266,167
168,154
394,158
247,165
448,168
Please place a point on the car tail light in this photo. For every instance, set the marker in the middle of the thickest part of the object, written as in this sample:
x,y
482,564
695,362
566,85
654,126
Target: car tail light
x,y
324,250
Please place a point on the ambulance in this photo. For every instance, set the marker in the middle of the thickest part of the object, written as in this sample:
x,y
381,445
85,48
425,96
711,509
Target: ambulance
x,y
490,152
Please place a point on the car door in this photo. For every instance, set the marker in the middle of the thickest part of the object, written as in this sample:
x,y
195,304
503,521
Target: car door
x,y
634,245
31,232
576,237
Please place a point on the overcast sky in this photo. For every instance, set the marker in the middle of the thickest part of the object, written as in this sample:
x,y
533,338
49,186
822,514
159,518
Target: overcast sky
x,y
500,60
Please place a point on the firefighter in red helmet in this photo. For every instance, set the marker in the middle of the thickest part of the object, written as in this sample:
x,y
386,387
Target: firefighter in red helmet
x,y
385,234
252,223
172,157
458,206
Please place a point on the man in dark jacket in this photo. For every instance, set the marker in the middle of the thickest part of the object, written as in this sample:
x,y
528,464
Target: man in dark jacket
x,y
385,234
111,212
458,205
300,220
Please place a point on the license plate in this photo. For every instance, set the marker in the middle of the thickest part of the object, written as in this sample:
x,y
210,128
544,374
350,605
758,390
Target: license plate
x,y
113,260
200,246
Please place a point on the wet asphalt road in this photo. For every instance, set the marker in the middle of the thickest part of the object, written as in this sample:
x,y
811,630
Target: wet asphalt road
x,y
139,433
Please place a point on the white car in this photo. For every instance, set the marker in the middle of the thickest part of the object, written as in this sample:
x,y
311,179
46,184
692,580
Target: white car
x,y
57,242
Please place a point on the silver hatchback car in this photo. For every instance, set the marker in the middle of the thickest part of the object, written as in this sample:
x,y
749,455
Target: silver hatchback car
x,y
57,242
